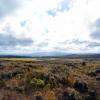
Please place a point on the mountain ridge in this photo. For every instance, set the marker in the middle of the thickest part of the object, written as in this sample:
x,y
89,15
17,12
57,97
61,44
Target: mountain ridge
x,y
54,54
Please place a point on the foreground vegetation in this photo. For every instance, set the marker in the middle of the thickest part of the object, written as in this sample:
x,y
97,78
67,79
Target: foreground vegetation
x,y
49,79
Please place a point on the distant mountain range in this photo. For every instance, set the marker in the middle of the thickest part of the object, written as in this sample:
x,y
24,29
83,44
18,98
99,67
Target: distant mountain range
x,y
53,54
36,54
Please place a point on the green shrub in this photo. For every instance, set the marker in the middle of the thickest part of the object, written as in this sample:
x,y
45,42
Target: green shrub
x,y
37,82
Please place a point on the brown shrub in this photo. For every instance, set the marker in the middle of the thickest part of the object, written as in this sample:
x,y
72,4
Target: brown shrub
x,y
50,95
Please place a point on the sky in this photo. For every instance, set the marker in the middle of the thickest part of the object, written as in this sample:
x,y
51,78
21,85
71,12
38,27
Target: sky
x,y
71,26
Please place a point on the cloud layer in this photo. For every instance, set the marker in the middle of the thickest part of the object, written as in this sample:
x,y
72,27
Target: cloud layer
x,y
54,25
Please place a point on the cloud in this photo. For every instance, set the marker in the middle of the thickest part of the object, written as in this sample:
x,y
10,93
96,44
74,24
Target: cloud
x,y
8,6
95,33
42,44
93,44
10,41
88,44
51,24
76,45
78,42
97,23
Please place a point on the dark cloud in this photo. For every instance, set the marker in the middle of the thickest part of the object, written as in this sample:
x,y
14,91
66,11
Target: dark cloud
x,y
78,42
89,44
97,23
95,33
94,44
7,6
7,41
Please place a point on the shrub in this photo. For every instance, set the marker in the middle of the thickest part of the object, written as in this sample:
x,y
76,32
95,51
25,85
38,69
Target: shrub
x,y
81,86
71,80
38,96
50,95
37,82
2,84
83,63
67,96
92,95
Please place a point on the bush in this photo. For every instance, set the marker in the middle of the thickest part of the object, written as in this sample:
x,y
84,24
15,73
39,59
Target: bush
x,y
91,96
67,96
38,96
81,86
2,84
37,82
83,63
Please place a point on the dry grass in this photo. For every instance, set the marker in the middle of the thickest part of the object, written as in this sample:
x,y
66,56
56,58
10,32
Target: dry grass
x,y
18,73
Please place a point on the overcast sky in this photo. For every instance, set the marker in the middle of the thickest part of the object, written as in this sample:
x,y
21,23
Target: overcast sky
x,y
71,26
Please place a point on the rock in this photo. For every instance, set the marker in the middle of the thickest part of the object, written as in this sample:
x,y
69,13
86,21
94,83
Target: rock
x,y
81,86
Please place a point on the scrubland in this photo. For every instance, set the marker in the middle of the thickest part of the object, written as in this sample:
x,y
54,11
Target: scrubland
x,y
49,79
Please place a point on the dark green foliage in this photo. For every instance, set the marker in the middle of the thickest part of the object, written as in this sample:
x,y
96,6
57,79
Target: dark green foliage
x,y
67,96
97,70
38,98
10,74
2,65
81,86
83,63
92,94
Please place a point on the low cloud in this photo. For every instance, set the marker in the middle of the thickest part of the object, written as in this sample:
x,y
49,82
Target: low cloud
x,y
78,42
88,44
9,41
43,44
94,44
